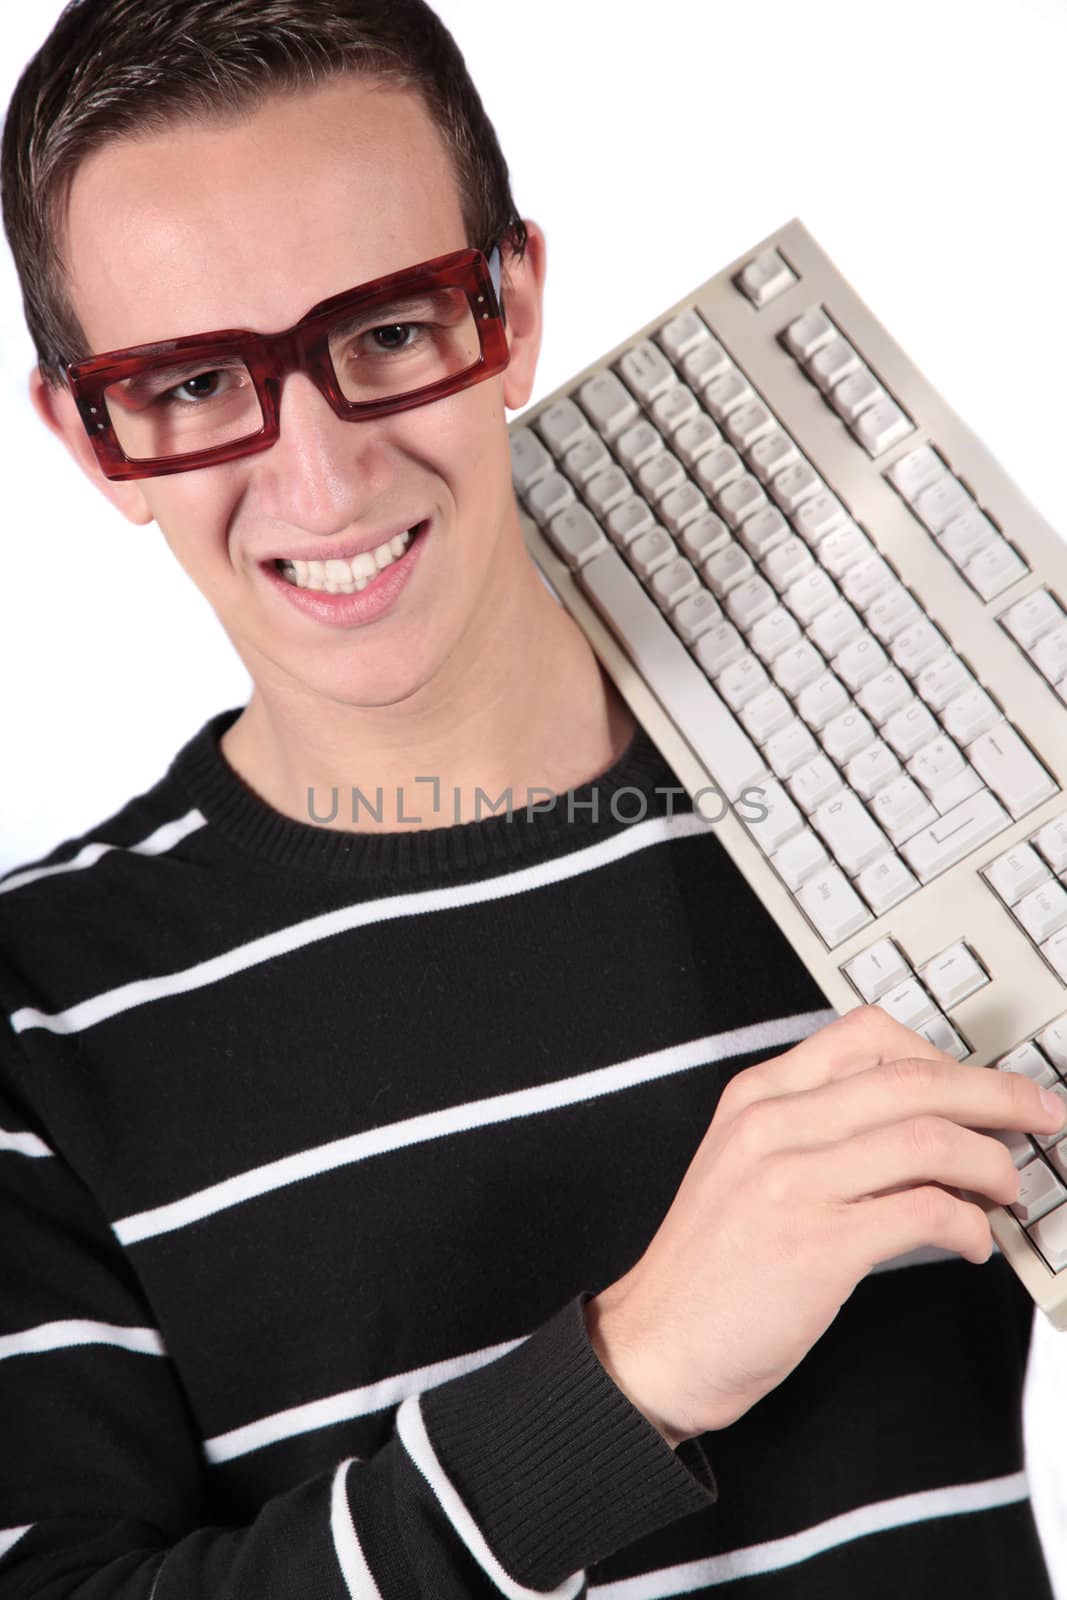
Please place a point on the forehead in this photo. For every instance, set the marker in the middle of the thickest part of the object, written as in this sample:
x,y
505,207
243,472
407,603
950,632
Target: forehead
x,y
248,224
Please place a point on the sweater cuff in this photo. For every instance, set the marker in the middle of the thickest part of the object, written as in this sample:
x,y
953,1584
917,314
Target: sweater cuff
x,y
555,1464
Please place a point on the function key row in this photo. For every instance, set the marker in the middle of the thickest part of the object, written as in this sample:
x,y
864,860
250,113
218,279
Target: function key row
x,y
965,533
874,418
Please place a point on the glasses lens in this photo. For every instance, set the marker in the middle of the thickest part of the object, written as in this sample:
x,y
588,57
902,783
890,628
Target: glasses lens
x,y
184,408
404,345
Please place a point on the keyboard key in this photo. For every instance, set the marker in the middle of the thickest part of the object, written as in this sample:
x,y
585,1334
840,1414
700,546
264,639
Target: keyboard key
x,y
892,612
1028,619
964,536
809,333
703,536
650,551
1049,655
845,735
1019,1147
781,821
548,496
908,729
885,883
608,490
1054,951
915,647
953,975
942,680
671,673
562,426
629,519
675,407
995,569
683,333
833,906
795,484
1015,873
843,548
860,661
815,782
763,532
819,515
863,583
1010,769
1053,1041
832,362
705,361
941,502
809,595
726,392
880,968
1039,1191
939,1032
855,394
774,633
798,666
871,770
788,562
936,764
789,748
741,680
660,475
915,471
952,837
799,857
674,583
749,423
851,835
695,437
719,467
969,714
575,536
695,615
821,700
1047,1140
884,695
1043,911
646,371
765,278
1051,841
718,648
881,426
609,407
772,454
902,809
638,444
529,459
1049,1233
836,627
741,499
681,506
727,568
908,1003
767,715
584,460
747,602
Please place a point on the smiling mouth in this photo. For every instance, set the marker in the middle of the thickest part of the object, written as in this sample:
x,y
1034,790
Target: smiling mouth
x,y
348,576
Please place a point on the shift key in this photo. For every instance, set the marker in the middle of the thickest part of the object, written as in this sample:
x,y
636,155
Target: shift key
x,y
940,845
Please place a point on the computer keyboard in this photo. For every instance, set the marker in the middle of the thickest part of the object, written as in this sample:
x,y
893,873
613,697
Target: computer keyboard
x,y
839,620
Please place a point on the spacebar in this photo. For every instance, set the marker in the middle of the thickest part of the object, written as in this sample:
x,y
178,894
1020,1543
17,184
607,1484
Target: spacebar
x,y
662,660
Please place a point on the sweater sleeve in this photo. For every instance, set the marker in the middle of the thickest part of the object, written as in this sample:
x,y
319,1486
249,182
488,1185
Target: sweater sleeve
x,y
510,1480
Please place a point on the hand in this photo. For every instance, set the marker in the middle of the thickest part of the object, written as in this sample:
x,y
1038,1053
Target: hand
x,y
842,1152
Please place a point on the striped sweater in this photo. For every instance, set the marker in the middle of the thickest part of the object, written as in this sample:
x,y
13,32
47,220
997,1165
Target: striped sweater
x,y
314,1145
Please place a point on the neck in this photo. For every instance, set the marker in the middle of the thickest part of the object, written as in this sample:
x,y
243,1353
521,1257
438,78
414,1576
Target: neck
x,y
519,712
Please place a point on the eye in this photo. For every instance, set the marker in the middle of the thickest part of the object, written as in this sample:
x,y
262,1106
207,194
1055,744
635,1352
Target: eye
x,y
394,337
201,386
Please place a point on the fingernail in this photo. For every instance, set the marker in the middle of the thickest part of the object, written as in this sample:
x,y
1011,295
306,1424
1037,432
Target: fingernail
x,y
1053,1104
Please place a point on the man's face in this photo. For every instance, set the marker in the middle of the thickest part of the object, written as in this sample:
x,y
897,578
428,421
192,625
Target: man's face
x,y
249,225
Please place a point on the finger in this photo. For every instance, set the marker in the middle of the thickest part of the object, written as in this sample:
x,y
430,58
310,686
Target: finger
x,y
896,1091
921,1150
891,1225
864,1038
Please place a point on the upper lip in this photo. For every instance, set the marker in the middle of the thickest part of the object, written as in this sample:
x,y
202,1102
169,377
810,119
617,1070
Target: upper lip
x,y
332,550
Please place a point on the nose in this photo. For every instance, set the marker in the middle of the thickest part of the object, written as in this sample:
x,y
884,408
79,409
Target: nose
x,y
323,473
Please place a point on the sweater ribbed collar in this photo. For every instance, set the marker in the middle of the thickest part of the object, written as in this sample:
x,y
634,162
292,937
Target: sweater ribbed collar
x,y
579,818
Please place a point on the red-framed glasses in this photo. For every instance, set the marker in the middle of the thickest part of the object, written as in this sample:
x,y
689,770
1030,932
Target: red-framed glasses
x,y
396,342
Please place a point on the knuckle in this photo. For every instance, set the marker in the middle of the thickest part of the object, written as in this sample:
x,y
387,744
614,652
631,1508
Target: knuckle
x,y
749,1128
931,1137
915,1074
931,1206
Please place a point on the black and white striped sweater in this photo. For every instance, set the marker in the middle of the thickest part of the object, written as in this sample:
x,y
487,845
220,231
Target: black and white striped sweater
x,y
314,1144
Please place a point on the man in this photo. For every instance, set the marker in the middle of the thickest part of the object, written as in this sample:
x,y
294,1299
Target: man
x,y
425,1205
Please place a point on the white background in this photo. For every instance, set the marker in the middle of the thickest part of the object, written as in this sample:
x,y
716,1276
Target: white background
x,y
922,143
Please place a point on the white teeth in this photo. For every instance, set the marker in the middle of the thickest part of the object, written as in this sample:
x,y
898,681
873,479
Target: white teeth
x,y
339,576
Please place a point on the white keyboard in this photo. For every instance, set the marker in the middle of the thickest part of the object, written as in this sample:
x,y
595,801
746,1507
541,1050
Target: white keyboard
x,y
840,622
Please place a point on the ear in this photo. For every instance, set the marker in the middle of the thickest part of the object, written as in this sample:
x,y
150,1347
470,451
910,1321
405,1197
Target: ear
x,y
57,411
522,288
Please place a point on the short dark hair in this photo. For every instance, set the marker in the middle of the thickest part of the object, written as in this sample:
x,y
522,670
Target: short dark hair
x,y
119,67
